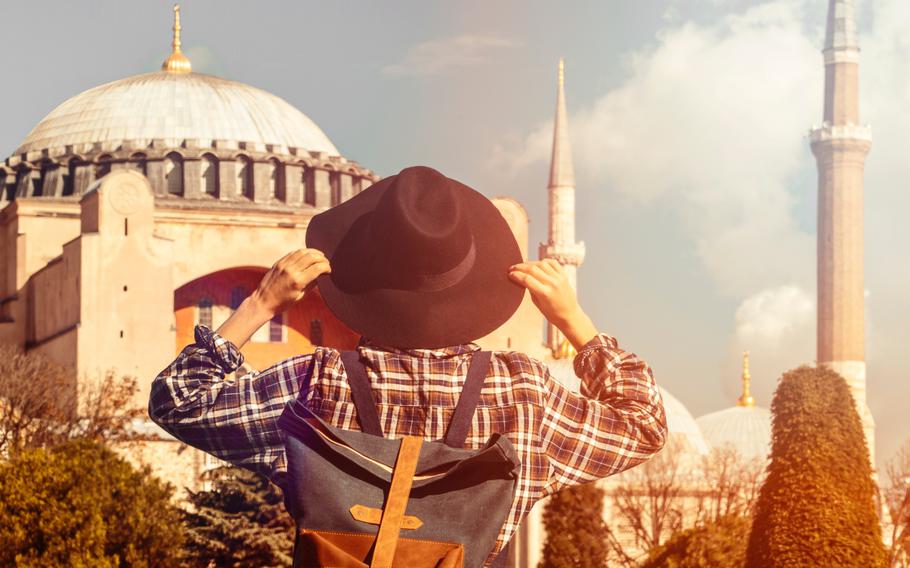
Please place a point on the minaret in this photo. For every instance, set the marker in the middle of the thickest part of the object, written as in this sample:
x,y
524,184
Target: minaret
x,y
840,146
561,244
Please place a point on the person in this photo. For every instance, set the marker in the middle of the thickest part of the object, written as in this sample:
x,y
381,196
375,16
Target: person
x,y
421,266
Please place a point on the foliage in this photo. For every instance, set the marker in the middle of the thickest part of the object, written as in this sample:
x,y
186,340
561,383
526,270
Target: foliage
x,y
42,404
81,505
240,522
648,502
897,505
816,506
730,484
576,532
719,544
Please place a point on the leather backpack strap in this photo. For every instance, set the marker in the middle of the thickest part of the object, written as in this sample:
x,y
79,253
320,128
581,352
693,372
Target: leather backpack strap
x,y
361,393
457,432
397,502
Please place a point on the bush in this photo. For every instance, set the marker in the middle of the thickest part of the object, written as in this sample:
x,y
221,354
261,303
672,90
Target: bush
x,y
81,505
576,532
720,544
240,522
816,506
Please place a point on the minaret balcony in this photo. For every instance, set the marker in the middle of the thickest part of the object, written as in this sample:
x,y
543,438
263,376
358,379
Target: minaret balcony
x,y
571,254
848,132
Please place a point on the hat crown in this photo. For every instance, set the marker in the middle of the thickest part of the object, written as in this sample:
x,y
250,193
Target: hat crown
x,y
419,225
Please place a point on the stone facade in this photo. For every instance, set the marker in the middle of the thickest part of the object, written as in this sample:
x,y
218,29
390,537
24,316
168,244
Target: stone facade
x,y
221,171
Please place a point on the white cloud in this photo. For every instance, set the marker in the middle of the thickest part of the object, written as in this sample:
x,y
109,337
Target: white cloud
x,y
434,56
714,118
777,326
772,317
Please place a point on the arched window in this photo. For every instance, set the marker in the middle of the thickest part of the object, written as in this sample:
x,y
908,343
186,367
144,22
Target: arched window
x,y
204,312
104,166
276,329
245,177
173,173
137,162
69,182
316,332
238,295
309,186
276,180
209,173
335,184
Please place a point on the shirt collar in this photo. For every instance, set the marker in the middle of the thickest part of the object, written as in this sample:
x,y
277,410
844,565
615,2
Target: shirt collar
x,y
435,353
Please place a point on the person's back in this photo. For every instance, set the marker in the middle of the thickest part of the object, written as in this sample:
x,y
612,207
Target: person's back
x,y
417,361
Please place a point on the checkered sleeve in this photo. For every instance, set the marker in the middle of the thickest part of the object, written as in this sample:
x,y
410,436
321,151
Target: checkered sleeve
x,y
200,400
617,421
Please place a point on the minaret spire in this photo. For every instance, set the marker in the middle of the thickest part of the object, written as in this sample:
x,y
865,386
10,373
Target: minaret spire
x,y
177,62
561,244
840,146
562,173
746,399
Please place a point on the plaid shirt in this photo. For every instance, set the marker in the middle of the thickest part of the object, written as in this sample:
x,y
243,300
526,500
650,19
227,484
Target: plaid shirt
x,y
562,438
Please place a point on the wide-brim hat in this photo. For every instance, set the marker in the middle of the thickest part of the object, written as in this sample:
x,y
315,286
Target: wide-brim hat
x,y
418,260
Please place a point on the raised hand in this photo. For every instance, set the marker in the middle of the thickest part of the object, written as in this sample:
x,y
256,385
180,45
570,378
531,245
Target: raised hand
x,y
554,296
289,279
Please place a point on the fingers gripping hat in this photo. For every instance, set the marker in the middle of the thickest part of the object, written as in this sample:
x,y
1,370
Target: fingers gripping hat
x,y
418,260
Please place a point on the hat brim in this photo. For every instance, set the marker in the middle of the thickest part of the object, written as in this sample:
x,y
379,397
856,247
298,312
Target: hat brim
x,y
469,309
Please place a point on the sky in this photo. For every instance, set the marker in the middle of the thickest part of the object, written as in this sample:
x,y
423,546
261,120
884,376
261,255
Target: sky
x,y
696,189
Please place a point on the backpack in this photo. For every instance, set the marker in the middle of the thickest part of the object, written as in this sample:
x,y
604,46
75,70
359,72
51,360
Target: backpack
x,y
359,499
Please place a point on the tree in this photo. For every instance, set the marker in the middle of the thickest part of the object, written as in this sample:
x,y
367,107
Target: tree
x,y
42,404
649,503
79,504
718,544
730,484
240,522
897,505
576,532
816,506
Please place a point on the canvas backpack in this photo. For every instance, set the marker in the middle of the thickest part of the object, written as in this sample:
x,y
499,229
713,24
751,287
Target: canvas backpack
x,y
361,500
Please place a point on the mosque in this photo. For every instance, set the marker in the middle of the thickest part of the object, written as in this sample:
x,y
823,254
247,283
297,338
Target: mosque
x,y
142,207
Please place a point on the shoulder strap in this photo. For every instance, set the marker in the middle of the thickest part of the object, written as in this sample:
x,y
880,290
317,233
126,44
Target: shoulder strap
x,y
457,432
362,393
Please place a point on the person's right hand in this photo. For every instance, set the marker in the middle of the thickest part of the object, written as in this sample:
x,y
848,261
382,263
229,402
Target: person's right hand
x,y
554,296
289,278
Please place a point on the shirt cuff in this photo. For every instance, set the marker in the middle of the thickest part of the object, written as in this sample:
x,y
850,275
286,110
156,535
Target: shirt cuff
x,y
599,341
225,354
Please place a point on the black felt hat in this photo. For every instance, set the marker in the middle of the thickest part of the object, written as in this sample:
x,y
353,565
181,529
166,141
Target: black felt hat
x,y
418,260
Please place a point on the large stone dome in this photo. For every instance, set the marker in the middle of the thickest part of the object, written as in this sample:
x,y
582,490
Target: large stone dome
x,y
176,106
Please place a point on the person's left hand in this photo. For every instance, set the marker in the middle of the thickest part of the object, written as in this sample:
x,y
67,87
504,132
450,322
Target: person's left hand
x,y
289,279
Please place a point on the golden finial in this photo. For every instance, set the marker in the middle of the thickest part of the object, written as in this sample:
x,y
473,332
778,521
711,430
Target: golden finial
x,y
561,74
177,62
746,399
565,350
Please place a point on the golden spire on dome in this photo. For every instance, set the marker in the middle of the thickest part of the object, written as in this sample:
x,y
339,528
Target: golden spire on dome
x,y
746,399
566,350
177,62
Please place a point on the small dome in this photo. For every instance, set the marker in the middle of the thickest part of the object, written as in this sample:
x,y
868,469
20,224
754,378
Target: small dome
x,y
176,106
745,428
